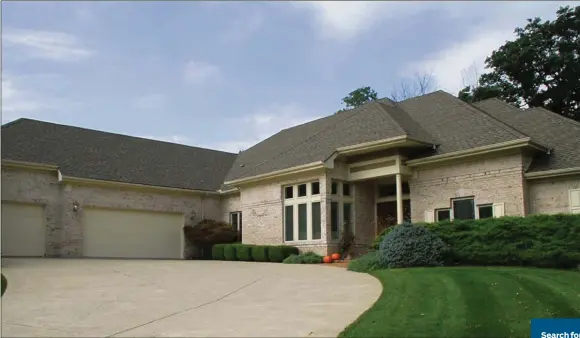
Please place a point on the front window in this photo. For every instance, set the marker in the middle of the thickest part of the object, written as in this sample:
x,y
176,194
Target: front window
x,y
485,211
443,214
464,208
341,208
302,213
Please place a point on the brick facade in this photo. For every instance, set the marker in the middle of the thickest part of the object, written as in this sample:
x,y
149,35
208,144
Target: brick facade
x,y
551,196
490,180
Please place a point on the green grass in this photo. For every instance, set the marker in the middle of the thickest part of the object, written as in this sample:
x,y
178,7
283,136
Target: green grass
x,y
467,302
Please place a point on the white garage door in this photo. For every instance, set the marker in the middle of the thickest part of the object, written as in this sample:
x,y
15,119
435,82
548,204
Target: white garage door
x,y
23,230
132,234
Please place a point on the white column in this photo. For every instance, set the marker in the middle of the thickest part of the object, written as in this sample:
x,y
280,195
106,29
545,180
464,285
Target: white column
x,y
399,199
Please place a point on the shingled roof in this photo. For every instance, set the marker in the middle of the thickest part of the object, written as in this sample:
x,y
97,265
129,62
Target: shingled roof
x,y
93,154
437,118
560,134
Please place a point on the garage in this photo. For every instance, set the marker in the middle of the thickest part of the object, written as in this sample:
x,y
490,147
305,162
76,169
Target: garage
x,y
23,230
132,234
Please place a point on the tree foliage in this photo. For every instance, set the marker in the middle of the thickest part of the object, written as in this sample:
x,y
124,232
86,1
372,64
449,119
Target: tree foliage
x,y
208,232
420,84
540,68
359,97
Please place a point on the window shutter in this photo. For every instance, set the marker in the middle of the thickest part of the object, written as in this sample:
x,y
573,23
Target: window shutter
x,y
575,201
498,210
429,216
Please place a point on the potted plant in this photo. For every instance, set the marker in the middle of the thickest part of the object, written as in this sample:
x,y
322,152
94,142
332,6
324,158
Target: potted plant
x,y
346,242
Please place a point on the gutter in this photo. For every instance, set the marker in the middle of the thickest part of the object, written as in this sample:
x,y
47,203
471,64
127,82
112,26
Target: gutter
x,y
29,165
524,142
278,173
552,173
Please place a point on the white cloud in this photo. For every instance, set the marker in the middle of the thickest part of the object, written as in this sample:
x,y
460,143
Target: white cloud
x,y
17,102
244,27
200,72
149,102
55,46
460,63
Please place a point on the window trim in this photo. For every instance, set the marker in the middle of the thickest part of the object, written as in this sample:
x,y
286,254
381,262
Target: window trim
x,y
443,209
295,201
484,205
340,198
435,217
463,199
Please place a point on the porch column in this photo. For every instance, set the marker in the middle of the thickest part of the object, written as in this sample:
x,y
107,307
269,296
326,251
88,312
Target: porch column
x,y
399,199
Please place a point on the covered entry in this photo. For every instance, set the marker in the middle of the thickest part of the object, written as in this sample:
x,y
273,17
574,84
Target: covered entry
x,y
23,230
132,234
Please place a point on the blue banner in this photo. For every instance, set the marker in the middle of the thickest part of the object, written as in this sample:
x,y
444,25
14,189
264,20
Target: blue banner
x,y
555,328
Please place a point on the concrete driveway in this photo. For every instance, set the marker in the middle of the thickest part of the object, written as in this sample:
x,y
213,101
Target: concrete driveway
x,y
145,298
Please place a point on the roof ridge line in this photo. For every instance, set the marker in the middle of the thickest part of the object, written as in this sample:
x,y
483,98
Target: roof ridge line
x,y
381,106
549,112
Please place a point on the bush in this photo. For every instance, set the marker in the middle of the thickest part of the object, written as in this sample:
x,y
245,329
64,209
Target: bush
x,y
230,252
379,239
4,285
366,263
539,240
260,253
201,237
244,252
217,252
409,245
305,258
277,253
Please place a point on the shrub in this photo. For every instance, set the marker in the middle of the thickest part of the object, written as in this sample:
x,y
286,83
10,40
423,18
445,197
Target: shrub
x,y
379,239
201,237
366,263
217,252
244,252
260,253
278,253
305,258
4,285
346,240
409,245
230,252
537,240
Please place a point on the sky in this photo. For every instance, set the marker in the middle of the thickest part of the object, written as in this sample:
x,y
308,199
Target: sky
x,y
226,75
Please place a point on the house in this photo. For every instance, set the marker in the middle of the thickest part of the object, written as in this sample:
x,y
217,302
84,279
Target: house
x,y
69,191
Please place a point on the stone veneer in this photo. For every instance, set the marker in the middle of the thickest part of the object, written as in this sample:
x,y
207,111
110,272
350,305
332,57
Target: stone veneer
x,y
551,196
64,227
490,180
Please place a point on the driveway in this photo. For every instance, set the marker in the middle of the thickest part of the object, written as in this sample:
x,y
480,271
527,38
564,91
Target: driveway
x,y
145,298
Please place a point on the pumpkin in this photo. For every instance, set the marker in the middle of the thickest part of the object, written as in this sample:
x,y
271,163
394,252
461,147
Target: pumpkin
x,y
327,259
335,256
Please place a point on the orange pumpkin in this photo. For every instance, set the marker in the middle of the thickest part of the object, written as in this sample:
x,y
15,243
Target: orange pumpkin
x,y
335,256
327,259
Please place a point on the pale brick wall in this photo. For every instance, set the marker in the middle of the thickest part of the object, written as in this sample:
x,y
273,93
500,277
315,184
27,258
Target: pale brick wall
x,y
490,180
551,196
364,212
262,213
64,227
230,203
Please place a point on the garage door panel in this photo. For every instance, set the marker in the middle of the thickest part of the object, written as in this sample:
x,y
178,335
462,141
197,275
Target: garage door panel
x,y
131,234
23,230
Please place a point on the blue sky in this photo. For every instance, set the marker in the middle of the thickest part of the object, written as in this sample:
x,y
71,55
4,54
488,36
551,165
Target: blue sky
x,y
226,75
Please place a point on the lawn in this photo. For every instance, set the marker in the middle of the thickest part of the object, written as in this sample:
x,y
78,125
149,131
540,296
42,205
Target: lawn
x,y
467,302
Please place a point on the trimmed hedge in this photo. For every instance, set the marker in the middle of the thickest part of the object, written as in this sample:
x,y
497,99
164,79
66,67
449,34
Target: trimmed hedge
x,y
540,240
217,252
244,252
230,252
260,253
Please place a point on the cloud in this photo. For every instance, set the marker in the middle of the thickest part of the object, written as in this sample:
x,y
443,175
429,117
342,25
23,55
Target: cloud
x,y
345,20
200,72
461,62
49,45
149,102
17,102
242,28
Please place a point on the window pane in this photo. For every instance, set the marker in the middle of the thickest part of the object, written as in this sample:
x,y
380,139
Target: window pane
x,y
334,188
463,209
315,188
289,192
302,190
485,211
347,215
334,220
235,220
316,221
302,221
346,189
289,222
443,214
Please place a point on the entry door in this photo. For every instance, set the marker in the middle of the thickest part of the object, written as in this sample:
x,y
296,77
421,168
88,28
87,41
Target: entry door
x,y
387,214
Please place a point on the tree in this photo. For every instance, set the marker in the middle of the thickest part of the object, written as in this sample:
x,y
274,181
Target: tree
x,y
359,97
420,84
540,68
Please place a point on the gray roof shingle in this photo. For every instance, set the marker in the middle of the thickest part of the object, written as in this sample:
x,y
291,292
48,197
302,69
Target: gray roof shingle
x,y
555,131
92,154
